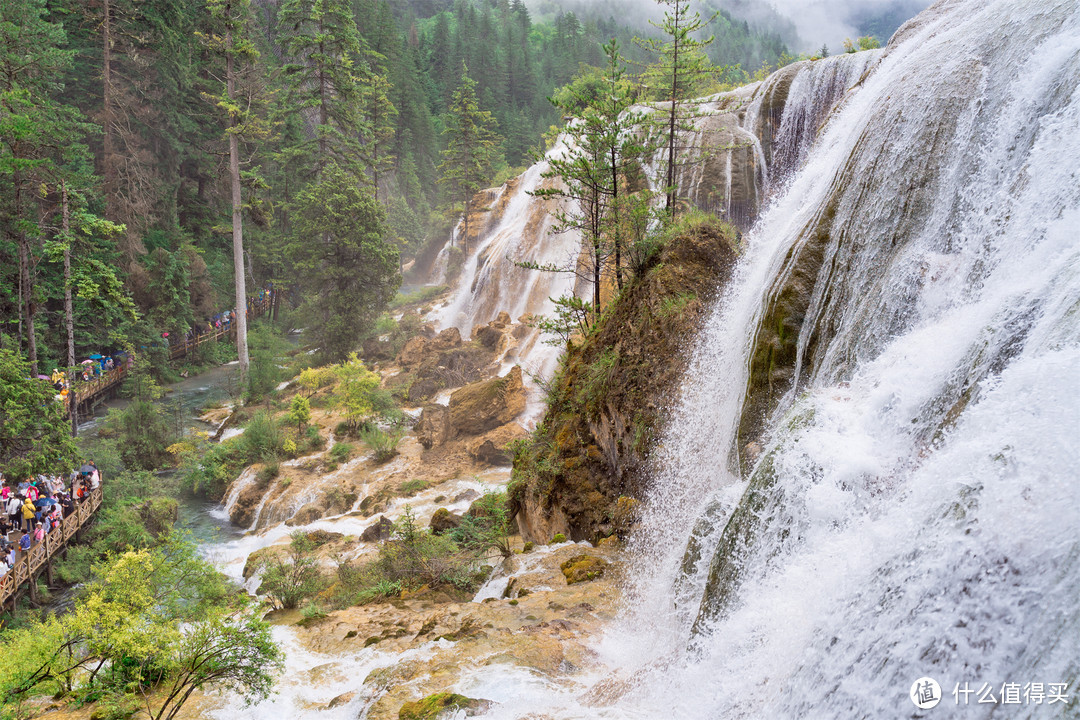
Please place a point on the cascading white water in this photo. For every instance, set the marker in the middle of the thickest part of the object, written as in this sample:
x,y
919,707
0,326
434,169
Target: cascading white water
x,y
491,281
913,512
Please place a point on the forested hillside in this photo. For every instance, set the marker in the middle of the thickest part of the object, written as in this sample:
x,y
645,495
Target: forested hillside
x,y
115,126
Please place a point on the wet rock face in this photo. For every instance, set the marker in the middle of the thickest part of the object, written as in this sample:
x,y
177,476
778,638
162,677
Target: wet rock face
x,y
493,447
443,520
433,427
307,514
243,511
381,530
591,447
484,406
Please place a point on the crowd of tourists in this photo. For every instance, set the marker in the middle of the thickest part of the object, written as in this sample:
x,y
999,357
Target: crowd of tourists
x,y
90,369
38,506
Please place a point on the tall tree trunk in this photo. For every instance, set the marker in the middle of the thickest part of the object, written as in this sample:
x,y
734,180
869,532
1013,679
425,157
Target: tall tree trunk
x,y
670,207
26,287
108,160
69,314
237,215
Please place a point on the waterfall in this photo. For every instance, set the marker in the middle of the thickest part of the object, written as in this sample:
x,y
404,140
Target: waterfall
x,y
516,229
869,475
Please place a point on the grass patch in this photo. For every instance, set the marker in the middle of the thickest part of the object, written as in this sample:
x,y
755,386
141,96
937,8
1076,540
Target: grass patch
x,y
411,487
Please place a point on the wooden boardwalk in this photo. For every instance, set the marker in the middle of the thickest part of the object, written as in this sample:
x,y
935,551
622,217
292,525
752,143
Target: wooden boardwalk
x,y
89,392
40,556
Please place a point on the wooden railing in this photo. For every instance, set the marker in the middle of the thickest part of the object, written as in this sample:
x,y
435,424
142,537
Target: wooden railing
x,y
181,349
27,567
90,390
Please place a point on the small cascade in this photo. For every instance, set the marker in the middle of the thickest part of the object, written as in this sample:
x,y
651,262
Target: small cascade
x,y
813,89
246,479
517,230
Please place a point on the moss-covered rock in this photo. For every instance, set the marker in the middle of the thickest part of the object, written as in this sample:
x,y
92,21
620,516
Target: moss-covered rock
x,y
443,520
582,568
442,704
609,401
484,406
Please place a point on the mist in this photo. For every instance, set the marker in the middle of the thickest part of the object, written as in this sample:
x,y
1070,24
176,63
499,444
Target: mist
x,y
805,25
830,22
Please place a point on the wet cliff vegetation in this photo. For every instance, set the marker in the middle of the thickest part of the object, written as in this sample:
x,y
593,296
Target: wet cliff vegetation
x,y
583,469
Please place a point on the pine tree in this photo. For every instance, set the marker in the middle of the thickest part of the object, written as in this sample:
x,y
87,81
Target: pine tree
x,y
35,130
324,46
379,115
347,269
229,38
622,144
471,148
601,146
679,73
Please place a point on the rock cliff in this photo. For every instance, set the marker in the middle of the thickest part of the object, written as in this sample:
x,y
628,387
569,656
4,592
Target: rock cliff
x,y
609,400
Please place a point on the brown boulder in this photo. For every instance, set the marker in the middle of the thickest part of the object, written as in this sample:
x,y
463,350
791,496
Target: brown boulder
x,y
381,530
447,339
307,514
485,405
414,352
342,699
493,447
433,427
247,502
443,520
489,336
423,389
502,320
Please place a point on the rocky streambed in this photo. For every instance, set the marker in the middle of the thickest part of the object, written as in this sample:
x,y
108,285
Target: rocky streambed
x,y
531,626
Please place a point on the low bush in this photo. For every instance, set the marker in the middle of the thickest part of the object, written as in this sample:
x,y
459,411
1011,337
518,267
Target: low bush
x,y
381,442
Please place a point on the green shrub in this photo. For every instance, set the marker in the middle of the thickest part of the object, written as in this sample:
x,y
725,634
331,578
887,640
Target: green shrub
x,y
382,443
341,452
268,472
262,439
290,580
414,557
558,538
411,487
312,612
486,526
266,348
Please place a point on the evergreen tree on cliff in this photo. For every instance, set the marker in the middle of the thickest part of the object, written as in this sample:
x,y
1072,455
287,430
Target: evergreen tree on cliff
x,y
676,77
347,269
